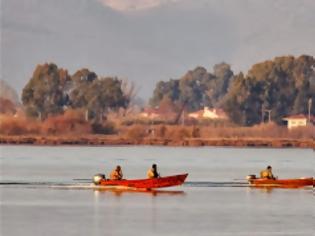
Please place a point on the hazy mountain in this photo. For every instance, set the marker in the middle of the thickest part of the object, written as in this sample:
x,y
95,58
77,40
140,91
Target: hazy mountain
x,y
149,40
7,92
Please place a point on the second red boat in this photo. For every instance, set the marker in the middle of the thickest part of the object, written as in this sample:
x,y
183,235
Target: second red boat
x,y
294,183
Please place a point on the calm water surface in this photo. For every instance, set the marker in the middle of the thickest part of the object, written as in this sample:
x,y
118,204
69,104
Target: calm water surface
x,y
41,193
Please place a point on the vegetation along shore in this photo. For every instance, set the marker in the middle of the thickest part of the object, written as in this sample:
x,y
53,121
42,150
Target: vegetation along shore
x,y
193,142
272,105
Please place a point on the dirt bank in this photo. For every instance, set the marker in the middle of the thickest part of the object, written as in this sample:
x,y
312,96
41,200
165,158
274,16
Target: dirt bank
x,y
195,142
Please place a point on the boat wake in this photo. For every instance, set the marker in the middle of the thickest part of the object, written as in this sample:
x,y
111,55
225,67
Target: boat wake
x,y
89,185
207,184
75,185
37,184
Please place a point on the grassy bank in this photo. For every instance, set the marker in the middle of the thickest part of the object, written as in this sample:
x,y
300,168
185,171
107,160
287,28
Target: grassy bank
x,y
71,129
195,142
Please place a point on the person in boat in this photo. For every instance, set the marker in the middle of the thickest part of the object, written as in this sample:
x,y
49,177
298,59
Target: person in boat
x,y
267,173
152,172
116,174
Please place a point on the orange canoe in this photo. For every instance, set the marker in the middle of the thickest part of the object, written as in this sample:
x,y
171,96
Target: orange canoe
x,y
162,182
282,182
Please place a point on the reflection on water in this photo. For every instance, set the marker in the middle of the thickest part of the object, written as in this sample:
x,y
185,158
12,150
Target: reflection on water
x,y
270,188
43,192
154,193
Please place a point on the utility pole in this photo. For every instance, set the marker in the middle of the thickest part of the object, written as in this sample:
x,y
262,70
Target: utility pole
x,y
263,111
87,115
40,115
269,115
309,109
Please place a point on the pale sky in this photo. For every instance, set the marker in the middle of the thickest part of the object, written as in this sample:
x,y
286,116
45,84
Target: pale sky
x,y
146,41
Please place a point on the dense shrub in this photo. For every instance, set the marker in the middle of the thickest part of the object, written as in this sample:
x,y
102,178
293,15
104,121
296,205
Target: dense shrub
x,y
103,128
10,125
136,132
162,130
195,132
179,132
71,122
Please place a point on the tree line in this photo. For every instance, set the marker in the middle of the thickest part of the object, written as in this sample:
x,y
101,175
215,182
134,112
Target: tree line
x,y
197,88
279,87
282,86
51,90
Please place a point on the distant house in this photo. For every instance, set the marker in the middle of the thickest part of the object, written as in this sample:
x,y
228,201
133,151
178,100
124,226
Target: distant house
x,y
151,113
206,113
299,120
157,114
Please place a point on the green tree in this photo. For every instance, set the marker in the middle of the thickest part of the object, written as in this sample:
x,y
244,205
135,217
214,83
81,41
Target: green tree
x,y
98,95
44,93
282,86
191,91
51,90
163,89
197,88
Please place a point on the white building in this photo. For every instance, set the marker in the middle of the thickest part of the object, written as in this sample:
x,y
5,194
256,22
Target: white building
x,y
296,121
150,113
207,113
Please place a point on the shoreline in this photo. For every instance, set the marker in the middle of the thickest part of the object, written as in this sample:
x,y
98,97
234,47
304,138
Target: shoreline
x,y
99,140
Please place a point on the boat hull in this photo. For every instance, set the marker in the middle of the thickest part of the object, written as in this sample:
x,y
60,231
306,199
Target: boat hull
x,y
161,182
282,182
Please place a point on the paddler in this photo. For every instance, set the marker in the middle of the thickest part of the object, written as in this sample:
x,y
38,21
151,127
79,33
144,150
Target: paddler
x,y
267,173
116,174
152,172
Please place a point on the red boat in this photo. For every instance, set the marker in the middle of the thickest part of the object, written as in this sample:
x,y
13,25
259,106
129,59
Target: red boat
x,y
289,183
162,182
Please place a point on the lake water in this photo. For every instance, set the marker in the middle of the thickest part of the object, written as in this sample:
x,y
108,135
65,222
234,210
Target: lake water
x,y
44,191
